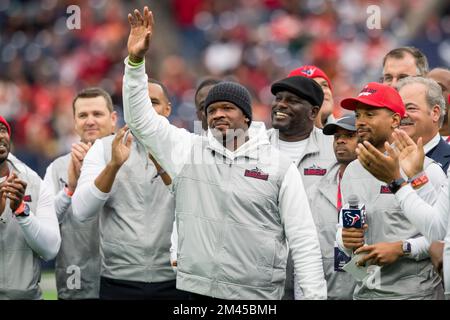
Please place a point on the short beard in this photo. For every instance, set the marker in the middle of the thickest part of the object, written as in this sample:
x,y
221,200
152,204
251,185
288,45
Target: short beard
x,y
231,137
281,128
377,143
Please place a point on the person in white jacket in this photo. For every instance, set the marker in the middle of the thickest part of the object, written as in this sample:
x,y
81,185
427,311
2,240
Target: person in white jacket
x,y
396,251
123,185
295,108
77,265
431,220
238,201
28,225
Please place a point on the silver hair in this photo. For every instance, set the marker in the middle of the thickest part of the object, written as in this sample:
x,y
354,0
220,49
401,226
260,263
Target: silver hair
x,y
433,94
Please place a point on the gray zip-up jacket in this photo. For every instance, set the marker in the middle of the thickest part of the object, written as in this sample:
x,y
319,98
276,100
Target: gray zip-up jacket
x,y
406,278
313,165
136,216
77,265
234,210
316,159
323,200
24,239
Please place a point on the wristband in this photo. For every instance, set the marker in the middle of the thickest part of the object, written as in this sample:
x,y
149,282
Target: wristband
x,y
68,192
418,180
135,64
20,210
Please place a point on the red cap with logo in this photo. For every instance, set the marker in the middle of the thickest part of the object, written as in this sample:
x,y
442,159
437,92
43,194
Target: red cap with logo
x,y
376,94
310,72
2,120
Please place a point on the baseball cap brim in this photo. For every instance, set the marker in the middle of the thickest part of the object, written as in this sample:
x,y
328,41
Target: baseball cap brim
x,y
303,87
331,128
351,103
284,86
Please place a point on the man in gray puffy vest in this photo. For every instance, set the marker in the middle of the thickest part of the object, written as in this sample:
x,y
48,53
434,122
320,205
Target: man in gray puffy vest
x,y
28,224
325,198
77,265
238,200
121,183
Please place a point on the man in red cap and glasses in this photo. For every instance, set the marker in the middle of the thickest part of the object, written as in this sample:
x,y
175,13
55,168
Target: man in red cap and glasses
x,y
326,110
28,225
395,253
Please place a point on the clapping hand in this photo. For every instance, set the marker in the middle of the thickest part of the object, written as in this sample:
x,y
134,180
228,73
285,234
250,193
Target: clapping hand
x,y
13,189
411,155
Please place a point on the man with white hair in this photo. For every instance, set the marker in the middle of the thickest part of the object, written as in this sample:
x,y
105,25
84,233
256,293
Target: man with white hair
x,y
425,110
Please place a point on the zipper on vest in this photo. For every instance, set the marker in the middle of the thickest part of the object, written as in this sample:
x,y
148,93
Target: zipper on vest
x,y
221,236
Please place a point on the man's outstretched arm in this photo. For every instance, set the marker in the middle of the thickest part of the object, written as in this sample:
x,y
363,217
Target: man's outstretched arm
x,y
169,145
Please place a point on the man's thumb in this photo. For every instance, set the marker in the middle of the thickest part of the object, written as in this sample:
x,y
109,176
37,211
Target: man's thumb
x,y
420,143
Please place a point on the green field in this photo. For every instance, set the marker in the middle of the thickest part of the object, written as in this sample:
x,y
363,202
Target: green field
x,y
48,285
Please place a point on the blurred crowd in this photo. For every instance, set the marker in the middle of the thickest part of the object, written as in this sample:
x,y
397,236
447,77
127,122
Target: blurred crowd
x,y
43,63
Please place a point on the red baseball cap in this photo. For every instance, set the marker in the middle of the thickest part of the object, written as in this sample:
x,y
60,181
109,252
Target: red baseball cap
x,y
310,72
2,120
376,94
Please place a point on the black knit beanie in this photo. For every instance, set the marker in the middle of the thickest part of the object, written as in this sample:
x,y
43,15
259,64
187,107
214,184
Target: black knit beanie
x,y
231,92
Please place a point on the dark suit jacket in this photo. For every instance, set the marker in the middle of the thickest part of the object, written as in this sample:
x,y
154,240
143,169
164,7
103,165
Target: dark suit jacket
x,y
441,154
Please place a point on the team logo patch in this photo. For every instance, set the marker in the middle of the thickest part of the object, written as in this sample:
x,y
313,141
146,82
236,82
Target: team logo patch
x,y
309,72
385,190
256,173
27,198
314,171
367,92
351,218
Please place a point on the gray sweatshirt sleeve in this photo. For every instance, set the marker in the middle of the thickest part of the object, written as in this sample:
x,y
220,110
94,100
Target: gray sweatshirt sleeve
x,y
429,193
62,200
170,146
427,208
432,221
40,228
302,236
88,200
62,203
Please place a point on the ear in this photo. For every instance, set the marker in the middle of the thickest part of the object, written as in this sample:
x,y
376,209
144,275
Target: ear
x,y
395,121
314,112
247,120
114,119
168,110
436,113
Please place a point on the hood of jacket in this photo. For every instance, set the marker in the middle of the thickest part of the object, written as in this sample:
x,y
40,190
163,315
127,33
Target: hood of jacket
x,y
257,137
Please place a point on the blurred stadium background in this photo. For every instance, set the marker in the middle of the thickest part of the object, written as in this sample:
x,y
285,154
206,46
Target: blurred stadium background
x,y
43,63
